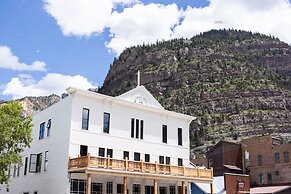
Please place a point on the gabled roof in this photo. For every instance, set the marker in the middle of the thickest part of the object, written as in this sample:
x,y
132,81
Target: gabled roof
x,y
142,96
126,100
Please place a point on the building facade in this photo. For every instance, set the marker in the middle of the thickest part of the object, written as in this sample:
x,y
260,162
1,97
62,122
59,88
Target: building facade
x,y
93,143
225,157
267,160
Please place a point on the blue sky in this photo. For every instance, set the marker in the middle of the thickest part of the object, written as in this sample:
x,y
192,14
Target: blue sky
x,y
48,45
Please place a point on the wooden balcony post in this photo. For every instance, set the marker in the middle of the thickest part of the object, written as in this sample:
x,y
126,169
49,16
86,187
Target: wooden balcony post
x,y
141,165
198,172
183,187
126,163
88,184
155,186
108,161
184,170
211,188
156,167
79,161
88,159
170,168
124,185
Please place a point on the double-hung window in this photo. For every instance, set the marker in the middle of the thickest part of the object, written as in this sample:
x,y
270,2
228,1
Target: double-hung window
x,y
286,156
136,156
106,122
137,128
125,155
101,152
48,127
35,163
180,136
83,150
25,165
45,160
85,118
41,131
109,153
164,133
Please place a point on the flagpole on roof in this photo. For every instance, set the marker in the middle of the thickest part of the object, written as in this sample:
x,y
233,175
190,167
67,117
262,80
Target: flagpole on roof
x,y
138,78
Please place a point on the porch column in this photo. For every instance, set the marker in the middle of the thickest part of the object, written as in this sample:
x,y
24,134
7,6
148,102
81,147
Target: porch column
x,y
183,187
88,184
211,188
124,185
155,186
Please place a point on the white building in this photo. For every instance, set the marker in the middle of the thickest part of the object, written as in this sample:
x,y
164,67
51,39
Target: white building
x,y
125,144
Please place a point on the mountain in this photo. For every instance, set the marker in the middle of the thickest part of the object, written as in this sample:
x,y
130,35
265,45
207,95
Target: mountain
x,y
32,105
236,83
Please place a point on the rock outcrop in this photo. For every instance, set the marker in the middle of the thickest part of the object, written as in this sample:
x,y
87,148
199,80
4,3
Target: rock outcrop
x,y
236,83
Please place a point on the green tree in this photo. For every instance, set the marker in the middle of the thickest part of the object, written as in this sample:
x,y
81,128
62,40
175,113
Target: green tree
x,y
15,135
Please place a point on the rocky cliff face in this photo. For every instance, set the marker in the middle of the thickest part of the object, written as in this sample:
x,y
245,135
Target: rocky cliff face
x,y
32,105
237,83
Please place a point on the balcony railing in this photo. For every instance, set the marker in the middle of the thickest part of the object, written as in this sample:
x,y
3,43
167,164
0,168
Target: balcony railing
x,y
138,166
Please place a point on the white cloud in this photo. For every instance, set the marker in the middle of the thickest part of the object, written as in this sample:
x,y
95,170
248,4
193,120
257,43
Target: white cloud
x,y
82,17
24,85
140,23
9,61
264,16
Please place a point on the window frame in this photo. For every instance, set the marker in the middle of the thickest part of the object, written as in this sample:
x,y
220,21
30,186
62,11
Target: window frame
x,y
48,127
109,187
180,161
25,165
277,157
37,163
41,131
106,122
180,136
260,160
147,158
101,150
85,120
132,127
136,155
126,155
109,152
161,160
164,133
286,156
45,161
82,150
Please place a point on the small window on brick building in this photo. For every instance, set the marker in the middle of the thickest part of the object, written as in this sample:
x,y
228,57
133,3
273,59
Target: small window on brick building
x,y
260,160
286,157
269,178
261,178
210,163
277,173
277,157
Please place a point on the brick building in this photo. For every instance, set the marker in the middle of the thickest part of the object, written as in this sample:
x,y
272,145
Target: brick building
x,y
225,157
267,160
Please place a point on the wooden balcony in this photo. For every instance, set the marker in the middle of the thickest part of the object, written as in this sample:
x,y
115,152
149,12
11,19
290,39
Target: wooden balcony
x,y
103,165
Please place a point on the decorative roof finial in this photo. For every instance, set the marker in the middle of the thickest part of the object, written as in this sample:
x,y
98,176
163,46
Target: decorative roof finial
x,y
138,78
